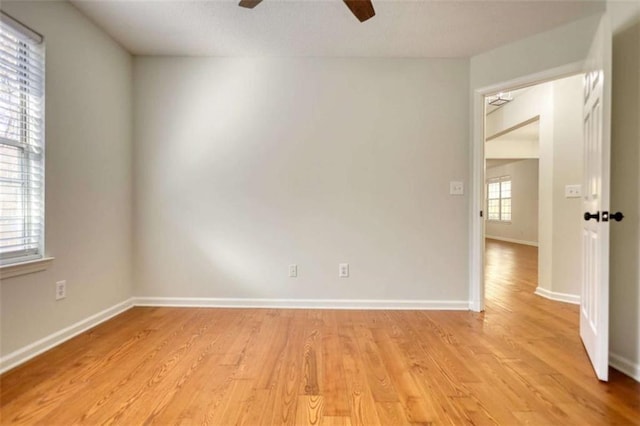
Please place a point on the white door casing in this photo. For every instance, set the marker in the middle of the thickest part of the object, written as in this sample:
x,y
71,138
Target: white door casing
x,y
594,307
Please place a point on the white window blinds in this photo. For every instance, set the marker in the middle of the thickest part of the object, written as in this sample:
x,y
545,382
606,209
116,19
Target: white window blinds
x,y
21,143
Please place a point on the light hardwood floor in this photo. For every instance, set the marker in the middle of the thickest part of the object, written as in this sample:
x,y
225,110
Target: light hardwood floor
x,y
520,362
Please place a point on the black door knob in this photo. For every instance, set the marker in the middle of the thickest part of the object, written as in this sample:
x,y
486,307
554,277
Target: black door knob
x,y
616,216
588,216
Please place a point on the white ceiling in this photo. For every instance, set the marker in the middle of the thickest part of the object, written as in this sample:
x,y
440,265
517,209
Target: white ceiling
x,y
421,28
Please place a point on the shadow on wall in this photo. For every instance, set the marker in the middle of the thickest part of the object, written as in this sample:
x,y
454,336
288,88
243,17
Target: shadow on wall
x,y
625,196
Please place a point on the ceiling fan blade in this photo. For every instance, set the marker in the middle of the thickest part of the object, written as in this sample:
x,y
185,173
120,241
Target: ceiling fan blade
x,y
249,4
362,9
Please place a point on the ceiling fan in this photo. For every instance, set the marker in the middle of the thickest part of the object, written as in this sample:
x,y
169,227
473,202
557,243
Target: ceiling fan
x,y
362,9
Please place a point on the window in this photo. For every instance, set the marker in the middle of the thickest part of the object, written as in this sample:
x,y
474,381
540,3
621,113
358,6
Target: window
x,y
21,143
499,199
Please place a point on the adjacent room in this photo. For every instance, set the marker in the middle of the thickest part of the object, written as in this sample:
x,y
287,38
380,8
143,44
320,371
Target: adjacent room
x,y
319,211
534,173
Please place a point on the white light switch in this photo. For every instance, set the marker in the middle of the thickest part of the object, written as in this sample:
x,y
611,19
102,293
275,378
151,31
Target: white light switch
x,y
573,191
456,188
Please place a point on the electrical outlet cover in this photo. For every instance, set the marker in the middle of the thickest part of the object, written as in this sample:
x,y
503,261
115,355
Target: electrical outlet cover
x,y
343,270
61,290
293,271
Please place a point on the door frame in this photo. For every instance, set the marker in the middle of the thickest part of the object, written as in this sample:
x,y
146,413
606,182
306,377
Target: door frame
x,y
476,225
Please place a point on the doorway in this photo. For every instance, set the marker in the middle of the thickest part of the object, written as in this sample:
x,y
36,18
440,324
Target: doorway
x,y
533,177
596,63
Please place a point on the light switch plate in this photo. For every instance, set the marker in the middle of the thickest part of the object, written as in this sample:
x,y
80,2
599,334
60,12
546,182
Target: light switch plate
x,y
573,191
456,188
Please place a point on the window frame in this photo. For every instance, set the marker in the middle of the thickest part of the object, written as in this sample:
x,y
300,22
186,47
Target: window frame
x,y
500,180
11,261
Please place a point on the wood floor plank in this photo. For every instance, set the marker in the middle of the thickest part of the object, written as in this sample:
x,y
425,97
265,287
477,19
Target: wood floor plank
x,y
336,421
255,408
309,410
378,379
363,409
519,362
415,407
391,413
332,381
289,369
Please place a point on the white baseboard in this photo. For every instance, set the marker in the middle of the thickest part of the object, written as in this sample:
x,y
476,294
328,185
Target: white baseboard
x,y
25,353
512,240
457,305
32,350
475,306
625,366
559,297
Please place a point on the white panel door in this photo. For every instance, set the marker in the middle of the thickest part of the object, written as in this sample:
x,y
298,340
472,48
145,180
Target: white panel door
x,y
594,303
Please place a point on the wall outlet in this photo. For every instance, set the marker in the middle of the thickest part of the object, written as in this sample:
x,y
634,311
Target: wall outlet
x,y
293,271
61,290
343,270
456,188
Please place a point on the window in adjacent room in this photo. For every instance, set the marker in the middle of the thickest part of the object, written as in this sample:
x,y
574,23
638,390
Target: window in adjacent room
x,y
499,199
21,143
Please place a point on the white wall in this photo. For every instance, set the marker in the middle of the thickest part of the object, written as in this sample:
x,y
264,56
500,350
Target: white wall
x,y
556,48
568,169
523,226
506,148
88,167
625,188
244,166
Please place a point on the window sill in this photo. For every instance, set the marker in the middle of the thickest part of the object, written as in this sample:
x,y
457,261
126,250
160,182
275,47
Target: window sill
x,y
24,268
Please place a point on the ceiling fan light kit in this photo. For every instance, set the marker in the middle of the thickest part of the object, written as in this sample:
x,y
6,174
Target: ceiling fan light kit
x,y
362,9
